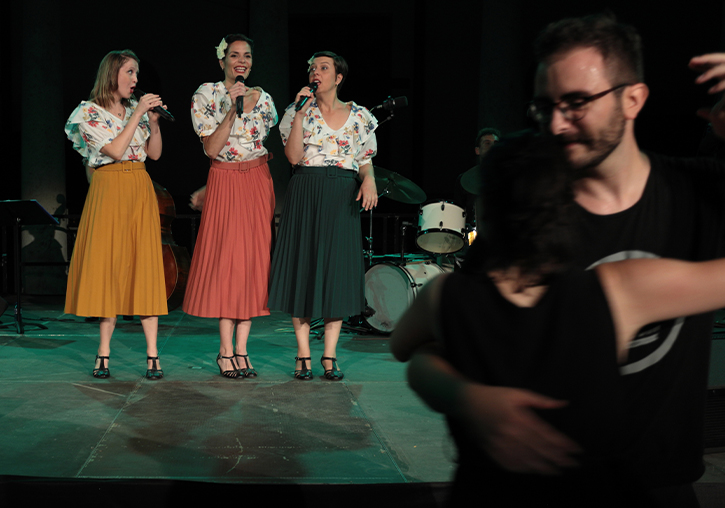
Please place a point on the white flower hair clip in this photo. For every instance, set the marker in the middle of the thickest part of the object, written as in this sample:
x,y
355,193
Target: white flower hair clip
x,y
220,49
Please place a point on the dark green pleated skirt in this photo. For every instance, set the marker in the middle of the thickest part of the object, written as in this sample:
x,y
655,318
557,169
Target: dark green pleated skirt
x,y
317,267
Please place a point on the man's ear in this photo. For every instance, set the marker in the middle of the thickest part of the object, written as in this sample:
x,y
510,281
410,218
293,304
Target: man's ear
x,y
633,100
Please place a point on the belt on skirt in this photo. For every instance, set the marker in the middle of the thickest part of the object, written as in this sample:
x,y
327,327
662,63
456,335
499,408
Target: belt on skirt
x,y
125,166
244,165
328,171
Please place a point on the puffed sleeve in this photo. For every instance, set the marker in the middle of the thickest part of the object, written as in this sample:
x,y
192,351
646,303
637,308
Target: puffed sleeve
x,y
88,130
205,105
285,126
365,133
268,112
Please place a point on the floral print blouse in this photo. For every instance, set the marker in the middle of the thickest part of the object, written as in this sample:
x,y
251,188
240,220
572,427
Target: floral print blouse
x,y
209,106
90,128
350,147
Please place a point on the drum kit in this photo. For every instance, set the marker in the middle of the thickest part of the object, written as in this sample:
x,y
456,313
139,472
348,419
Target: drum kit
x,y
393,282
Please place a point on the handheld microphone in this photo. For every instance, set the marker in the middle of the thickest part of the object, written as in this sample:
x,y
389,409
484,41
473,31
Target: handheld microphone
x,y
156,109
390,104
240,99
303,100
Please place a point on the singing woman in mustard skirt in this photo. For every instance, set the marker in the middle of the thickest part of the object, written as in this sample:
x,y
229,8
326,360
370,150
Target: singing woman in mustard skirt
x,y
117,265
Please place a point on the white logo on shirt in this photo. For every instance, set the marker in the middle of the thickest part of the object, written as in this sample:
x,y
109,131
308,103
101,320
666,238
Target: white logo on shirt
x,y
646,335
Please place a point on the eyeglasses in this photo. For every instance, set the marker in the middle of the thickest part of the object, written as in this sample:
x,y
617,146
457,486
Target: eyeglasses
x,y
573,107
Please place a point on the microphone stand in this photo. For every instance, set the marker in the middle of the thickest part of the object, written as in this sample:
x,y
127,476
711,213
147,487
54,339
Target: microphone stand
x,y
389,118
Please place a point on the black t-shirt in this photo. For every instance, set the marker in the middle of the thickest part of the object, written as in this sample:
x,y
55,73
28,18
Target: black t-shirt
x,y
680,215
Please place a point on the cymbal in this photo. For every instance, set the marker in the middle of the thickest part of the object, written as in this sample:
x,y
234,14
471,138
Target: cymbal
x,y
397,187
471,180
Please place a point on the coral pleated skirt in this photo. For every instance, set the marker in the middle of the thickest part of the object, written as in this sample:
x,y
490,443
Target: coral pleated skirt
x,y
318,268
229,272
117,265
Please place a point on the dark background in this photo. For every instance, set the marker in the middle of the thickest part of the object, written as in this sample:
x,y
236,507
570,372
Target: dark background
x,y
461,66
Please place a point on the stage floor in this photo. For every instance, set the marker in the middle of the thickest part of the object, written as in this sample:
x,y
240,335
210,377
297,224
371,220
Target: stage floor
x,y
57,421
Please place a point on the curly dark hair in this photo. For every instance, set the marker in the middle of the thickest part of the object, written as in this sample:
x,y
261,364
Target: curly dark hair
x,y
529,206
620,45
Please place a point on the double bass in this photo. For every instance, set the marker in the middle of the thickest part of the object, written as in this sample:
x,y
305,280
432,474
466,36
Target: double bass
x,y
176,258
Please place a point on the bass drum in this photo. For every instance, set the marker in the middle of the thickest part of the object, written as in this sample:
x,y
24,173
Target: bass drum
x,y
391,288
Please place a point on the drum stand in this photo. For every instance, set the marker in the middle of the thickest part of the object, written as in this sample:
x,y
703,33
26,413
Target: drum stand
x,y
369,254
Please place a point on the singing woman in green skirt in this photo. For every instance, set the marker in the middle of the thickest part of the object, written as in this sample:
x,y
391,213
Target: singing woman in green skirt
x,y
318,268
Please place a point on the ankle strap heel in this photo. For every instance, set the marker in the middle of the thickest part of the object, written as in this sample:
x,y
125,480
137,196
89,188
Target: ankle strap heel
x,y
154,373
304,372
102,371
333,374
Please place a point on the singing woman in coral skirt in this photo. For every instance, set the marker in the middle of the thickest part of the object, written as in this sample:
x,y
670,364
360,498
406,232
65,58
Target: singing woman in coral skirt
x,y
230,266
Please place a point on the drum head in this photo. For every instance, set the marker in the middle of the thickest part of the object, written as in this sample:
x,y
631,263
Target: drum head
x,y
440,241
388,292
390,289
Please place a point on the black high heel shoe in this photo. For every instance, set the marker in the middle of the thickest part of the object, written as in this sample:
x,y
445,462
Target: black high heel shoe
x,y
333,374
154,372
102,371
231,374
303,373
245,371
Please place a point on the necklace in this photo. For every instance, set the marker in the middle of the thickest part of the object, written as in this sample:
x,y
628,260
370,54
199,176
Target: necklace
x,y
117,113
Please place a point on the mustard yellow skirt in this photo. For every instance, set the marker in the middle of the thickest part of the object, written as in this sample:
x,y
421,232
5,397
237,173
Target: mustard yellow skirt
x,y
117,265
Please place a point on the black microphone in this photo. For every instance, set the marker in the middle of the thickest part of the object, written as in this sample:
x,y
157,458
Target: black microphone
x,y
156,109
390,104
303,100
240,99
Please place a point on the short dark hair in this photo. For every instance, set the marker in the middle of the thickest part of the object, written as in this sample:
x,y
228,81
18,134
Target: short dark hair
x,y
340,64
620,45
238,37
529,207
487,131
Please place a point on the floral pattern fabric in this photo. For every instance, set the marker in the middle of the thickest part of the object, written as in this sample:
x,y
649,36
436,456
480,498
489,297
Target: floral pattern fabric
x,y
90,128
209,106
350,147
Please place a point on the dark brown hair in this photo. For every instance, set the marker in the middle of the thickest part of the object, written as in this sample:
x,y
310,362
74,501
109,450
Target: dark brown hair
x,y
620,45
238,37
528,204
340,64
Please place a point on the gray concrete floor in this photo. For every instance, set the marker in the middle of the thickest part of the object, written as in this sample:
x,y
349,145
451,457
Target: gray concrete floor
x,y
56,421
